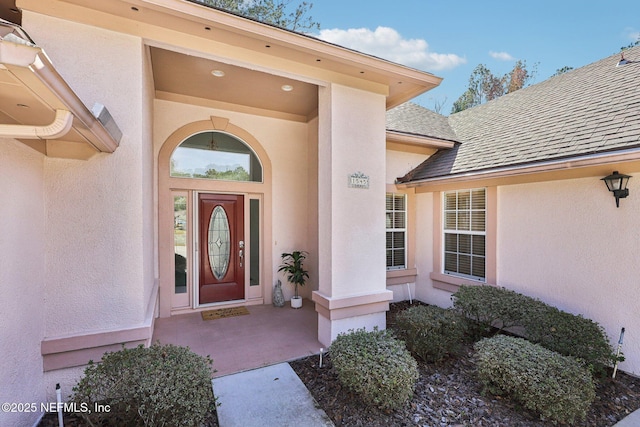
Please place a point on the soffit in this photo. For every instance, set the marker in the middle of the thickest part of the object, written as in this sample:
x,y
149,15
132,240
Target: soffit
x,y
191,77
9,11
189,26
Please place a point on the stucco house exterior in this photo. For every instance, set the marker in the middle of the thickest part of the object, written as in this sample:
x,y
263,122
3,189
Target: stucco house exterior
x,y
219,142
519,202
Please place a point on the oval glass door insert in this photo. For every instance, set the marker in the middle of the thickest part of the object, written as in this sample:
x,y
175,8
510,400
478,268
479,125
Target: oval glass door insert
x,y
219,242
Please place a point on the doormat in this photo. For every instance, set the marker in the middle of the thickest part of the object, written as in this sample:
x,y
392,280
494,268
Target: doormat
x,y
224,312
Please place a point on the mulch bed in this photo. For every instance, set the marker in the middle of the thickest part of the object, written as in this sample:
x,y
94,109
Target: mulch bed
x,y
448,394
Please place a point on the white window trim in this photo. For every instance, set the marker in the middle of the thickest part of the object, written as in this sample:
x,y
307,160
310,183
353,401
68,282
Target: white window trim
x,y
404,230
444,231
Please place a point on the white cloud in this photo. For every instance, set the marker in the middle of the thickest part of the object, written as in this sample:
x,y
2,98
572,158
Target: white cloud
x,y
502,56
387,43
632,34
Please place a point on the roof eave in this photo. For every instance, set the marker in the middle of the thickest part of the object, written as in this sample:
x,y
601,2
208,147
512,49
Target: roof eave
x,y
418,140
401,83
585,162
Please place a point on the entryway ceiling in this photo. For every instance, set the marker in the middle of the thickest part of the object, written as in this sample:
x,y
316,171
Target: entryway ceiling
x,y
186,78
9,11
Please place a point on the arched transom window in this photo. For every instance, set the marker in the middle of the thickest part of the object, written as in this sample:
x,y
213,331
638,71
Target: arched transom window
x,y
215,155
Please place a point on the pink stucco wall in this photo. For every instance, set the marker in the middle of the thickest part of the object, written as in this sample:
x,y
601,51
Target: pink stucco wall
x,y
104,204
22,279
566,243
99,269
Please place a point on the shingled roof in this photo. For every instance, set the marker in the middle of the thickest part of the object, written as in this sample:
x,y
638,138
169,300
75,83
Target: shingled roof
x,y
413,119
593,109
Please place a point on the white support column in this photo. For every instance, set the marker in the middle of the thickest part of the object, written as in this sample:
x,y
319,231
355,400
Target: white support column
x,y
352,290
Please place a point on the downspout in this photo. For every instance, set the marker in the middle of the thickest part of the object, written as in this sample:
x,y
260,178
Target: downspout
x,y
58,128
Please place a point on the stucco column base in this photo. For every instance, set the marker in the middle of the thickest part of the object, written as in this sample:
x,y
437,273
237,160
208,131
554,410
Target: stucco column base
x,y
338,315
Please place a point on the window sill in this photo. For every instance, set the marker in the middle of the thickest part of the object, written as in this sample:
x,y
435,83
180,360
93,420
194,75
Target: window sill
x,y
402,276
450,283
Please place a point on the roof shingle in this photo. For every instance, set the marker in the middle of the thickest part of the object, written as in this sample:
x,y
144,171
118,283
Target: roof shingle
x,y
592,109
416,120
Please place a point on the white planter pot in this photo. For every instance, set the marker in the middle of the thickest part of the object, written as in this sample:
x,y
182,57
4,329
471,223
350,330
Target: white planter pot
x,y
296,302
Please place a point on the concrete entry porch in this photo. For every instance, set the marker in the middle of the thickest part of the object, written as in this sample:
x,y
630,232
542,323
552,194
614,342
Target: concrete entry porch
x,y
266,336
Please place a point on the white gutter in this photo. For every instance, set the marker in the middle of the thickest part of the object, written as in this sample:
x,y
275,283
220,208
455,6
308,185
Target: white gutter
x,y
31,66
58,128
418,140
598,159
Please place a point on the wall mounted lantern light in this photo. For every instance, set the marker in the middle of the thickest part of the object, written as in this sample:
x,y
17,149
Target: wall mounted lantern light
x,y
617,184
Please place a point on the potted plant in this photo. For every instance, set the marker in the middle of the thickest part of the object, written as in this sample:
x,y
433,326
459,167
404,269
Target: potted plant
x,y
296,274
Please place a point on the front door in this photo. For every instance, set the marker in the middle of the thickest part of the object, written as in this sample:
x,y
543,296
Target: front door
x,y
221,232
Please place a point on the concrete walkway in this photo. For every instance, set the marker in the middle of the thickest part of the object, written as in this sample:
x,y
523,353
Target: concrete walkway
x,y
275,396
631,420
270,396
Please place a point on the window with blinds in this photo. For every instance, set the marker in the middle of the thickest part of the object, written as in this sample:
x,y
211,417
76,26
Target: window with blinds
x,y
465,233
396,219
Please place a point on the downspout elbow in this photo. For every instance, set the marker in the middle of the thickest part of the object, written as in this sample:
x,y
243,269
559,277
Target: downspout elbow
x,y
58,128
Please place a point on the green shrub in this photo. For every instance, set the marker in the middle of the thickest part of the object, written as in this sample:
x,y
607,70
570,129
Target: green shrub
x,y
431,333
492,307
556,387
376,366
566,333
570,335
159,385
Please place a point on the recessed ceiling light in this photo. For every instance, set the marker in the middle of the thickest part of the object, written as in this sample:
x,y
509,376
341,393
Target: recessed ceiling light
x,y
287,88
218,73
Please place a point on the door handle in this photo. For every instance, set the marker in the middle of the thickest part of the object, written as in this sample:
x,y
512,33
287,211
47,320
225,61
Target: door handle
x,y
241,252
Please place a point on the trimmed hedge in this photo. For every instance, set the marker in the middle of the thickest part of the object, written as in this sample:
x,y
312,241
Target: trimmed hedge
x,y
565,333
431,333
556,387
159,385
492,307
376,366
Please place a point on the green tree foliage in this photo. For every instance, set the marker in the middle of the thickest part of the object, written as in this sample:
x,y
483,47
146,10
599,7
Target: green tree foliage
x,y
562,70
630,45
275,12
485,86
237,174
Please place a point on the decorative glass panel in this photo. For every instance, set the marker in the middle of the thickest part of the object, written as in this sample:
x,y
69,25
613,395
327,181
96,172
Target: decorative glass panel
x,y
215,155
180,242
219,242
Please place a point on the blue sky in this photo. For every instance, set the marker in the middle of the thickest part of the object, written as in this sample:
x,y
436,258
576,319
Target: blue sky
x,y
450,38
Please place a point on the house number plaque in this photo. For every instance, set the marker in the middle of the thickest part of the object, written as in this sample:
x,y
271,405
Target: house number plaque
x,y
358,180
